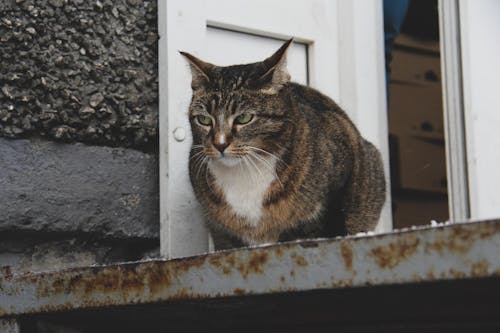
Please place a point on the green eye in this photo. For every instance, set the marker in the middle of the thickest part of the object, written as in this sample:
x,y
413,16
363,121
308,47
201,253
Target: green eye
x,y
204,120
243,118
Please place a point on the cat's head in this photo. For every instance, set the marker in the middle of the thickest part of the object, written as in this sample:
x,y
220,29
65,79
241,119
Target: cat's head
x,y
236,111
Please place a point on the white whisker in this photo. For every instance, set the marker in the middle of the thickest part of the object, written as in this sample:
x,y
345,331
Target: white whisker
x,y
197,154
199,162
268,165
245,184
278,159
256,167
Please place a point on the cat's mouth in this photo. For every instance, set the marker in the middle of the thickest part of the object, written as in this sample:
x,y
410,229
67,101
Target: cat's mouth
x,y
229,161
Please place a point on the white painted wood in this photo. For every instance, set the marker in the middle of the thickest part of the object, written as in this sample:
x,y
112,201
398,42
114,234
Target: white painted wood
x,y
313,22
181,232
451,70
252,48
196,26
362,80
479,30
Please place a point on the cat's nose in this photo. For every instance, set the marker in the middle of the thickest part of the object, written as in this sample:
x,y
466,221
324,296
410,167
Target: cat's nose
x,y
220,141
221,146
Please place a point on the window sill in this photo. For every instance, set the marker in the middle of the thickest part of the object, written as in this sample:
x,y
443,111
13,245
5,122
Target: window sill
x,y
462,251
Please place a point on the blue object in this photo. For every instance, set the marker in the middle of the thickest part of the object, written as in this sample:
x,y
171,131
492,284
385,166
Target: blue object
x,y
394,15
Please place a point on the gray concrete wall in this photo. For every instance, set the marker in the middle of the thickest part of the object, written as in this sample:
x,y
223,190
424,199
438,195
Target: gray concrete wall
x,y
78,132
53,187
65,205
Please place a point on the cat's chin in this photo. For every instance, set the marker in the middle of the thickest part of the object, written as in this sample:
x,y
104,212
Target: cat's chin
x,y
227,161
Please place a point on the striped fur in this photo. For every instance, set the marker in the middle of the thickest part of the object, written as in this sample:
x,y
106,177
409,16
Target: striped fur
x,y
298,169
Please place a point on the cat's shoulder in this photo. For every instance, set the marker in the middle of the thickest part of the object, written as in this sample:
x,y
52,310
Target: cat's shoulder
x,y
311,97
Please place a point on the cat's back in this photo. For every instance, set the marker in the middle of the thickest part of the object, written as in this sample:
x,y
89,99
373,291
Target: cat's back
x,y
309,99
319,110
329,125
346,165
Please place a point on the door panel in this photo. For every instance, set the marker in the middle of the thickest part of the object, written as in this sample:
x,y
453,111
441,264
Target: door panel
x,y
226,47
240,31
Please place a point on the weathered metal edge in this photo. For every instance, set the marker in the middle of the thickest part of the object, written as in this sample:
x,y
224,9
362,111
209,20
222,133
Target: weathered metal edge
x,y
465,250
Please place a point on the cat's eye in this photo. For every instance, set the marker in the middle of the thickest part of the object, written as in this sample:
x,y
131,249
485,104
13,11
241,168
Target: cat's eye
x,y
243,119
204,120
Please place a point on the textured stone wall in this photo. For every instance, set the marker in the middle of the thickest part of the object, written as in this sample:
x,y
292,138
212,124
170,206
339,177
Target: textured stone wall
x,y
64,205
78,132
71,188
80,70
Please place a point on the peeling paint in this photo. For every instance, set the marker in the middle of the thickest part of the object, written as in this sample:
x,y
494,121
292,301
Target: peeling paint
x,y
389,256
299,260
347,255
468,250
255,264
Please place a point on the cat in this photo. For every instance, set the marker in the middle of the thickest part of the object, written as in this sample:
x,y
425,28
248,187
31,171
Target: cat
x,y
273,160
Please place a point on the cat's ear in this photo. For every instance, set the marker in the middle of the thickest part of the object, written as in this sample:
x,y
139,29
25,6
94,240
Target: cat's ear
x,y
275,71
200,70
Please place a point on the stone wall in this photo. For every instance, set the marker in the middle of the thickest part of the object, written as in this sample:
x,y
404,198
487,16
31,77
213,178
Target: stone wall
x,y
78,70
78,132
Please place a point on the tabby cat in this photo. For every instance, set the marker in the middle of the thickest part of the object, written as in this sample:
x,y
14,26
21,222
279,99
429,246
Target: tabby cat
x,y
273,160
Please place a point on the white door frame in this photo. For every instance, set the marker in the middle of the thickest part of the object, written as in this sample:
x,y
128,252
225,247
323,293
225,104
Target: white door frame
x,y
345,45
453,106
480,58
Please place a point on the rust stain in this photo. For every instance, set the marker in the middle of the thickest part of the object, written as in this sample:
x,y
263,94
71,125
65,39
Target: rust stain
x,y
189,263
347,255
299,260
456,274
104,281
129,281
279,252
184,294
159,277
459,240
226,264
132,279
487,230
342,283
239,291
94,281
391,255
430,275
150,281
480,269
255,264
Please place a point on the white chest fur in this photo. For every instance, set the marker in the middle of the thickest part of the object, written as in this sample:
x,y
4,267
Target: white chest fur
x,y
244,185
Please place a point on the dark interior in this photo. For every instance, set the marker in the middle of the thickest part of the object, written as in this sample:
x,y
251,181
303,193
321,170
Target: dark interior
x,y
416,132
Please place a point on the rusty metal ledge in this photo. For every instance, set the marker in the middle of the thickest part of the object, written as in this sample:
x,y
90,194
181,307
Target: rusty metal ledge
x,y
458,251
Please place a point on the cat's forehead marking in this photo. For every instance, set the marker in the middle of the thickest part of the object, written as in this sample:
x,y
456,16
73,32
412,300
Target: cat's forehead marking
x,y
233,77
230,83
223,103
221,120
